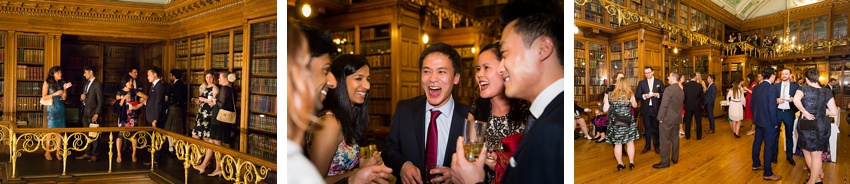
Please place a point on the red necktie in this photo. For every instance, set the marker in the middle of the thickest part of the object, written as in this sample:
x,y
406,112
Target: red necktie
x,y
431,145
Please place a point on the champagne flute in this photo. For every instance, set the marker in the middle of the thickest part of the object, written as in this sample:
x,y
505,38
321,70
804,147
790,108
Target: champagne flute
x,y
474,135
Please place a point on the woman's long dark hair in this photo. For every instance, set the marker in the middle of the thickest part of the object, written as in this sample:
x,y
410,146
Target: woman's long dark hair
x,y
51,82
483,106
353,120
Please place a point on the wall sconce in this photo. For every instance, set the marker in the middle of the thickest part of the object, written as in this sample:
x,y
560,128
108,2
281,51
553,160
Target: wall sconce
x,y
675,50
473,50
425,38
306,10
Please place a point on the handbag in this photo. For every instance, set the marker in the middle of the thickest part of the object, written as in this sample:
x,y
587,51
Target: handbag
x,y
44,102
622,121
227,116
724,103
806,124
94,125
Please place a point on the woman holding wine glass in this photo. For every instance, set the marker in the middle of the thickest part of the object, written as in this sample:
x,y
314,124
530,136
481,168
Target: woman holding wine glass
x,y
505,116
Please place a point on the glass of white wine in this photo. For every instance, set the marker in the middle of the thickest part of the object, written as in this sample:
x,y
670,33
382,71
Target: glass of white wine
x,y
474,135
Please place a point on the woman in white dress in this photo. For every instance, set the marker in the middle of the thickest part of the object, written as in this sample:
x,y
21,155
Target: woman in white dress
x,y
737,101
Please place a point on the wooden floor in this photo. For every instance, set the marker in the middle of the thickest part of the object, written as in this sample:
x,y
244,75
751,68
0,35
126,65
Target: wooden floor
x,y
717,158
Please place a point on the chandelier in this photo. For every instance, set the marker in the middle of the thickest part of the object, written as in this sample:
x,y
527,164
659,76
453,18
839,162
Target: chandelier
x,y
787,44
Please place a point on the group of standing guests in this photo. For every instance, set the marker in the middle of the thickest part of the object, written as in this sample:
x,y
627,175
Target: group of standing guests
x,y
775,105
424,144
164,105
765,42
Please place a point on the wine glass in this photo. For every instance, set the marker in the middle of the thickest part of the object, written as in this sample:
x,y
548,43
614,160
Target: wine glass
x,y
474,135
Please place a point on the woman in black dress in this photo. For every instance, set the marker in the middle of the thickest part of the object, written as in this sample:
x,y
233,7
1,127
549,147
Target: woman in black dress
x,y
813,139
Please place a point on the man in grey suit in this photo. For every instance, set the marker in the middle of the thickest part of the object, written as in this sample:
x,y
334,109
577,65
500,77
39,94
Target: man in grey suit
x,y
669,118
92,104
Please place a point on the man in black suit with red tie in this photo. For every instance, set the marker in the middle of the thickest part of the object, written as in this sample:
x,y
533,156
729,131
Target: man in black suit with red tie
x,y
649,92
533,69
424,128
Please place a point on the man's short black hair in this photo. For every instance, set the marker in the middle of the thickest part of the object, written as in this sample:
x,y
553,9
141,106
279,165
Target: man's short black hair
x,y
156,71
767,72
319,43
177,73
92,69
542,24
444,49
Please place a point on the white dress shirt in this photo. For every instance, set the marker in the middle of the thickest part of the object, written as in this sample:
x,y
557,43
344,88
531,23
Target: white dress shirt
x,y
299,168
444,124
545,97
784,93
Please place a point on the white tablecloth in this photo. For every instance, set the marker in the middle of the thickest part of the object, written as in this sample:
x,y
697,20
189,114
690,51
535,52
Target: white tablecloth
x,y
833,137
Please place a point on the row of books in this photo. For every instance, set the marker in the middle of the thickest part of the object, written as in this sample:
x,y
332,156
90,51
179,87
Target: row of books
x,y
379,91
120,52
262,122
597,97
579,71
579,62
197,77
593,17
2,54
219,60
579,80
30,88
2,68
221,44
633,72
579,53
380,107
29,104
183,47
237,42
615,55
262,146
264,85
579,90
2,40
630,53
264,28
197,46
237,59
382,75
383,60
374,32
111,87
264,46
30,56
579,98
31,41
265,65
31,119
197,61
264,103
30,72
375,47
181,62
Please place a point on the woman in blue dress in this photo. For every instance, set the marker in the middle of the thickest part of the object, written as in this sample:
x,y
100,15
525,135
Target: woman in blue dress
x,y
54,88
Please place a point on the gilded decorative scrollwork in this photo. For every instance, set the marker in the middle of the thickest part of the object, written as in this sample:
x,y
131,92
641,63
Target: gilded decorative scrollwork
x,y
240,171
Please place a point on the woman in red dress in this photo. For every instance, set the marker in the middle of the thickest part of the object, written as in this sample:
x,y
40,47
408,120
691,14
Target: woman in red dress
x,y
748,113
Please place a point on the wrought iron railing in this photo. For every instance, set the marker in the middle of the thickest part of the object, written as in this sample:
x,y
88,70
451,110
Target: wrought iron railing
x,y
236,166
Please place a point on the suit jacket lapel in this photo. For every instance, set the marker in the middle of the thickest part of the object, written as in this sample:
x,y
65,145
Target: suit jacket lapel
x,y
418,116
455,131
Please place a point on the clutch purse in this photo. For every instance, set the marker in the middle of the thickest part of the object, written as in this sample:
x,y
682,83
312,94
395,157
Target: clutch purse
x,y
806,124
724,103
46,102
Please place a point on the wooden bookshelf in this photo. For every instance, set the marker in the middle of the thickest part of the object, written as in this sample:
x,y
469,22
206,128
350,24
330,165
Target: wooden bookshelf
x,y
3,39
467,90
262,104
29,72
580,71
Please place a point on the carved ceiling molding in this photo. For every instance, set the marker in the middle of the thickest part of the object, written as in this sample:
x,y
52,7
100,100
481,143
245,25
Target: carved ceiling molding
x,y
155,15
783,13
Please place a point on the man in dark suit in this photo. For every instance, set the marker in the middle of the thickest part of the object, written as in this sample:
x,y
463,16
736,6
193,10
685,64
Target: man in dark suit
x,y
155,104
533,69
92,104
669,118
710,94
831,85
693,100
177,99
649,92
764,117
786,111
424,128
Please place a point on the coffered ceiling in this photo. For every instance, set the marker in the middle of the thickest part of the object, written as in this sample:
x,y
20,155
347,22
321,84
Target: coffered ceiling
x,y
748,9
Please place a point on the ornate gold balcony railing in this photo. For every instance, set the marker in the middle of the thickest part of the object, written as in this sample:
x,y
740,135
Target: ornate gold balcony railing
x,y
236,166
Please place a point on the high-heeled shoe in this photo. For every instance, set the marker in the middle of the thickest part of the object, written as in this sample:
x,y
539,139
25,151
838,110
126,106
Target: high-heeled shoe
x,y
200,169
620,166
631,166
600,141
215,174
